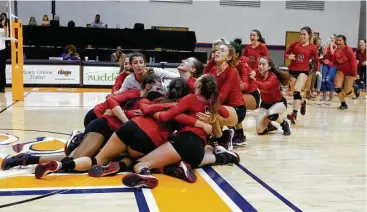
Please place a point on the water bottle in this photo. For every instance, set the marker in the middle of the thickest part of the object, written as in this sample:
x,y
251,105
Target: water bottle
x,y
150,60
97,58
153,59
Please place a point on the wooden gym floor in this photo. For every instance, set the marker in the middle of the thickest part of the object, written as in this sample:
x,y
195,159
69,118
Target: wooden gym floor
x,y
320,167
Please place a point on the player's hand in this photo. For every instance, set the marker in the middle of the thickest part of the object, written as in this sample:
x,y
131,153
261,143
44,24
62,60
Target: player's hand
x,y
207,118
292,57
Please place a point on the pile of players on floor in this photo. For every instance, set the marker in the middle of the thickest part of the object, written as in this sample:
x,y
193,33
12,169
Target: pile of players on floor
x,y
160,121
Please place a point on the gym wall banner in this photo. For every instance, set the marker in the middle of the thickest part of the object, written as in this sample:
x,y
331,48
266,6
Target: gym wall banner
x,y
98,75
47,74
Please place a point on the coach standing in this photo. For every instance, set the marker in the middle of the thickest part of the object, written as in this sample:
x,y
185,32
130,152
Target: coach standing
x,y
3,34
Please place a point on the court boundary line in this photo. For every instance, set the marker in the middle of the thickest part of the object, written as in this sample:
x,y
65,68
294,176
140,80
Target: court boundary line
x,y
9,106
227,188
270,189
140,200
14,102
45,131
151,202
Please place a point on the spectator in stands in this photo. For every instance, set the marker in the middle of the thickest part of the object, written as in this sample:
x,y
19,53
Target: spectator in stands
x,y
70,53
117,55
45,21
97,22
32,21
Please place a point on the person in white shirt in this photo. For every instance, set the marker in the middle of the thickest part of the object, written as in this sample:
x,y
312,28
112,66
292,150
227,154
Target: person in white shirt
x,y
97,22
3,33
138,65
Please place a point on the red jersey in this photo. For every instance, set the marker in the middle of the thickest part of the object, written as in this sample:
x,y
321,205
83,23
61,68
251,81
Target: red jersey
x,y
228,83
157,131
255,53
361,57
119,80
191,105
119,100
191,83
269,89
329,56
345,60
244,71
303,55
99,109
209,66
122,97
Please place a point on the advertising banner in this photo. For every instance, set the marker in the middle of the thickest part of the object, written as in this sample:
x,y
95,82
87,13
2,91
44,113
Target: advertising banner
x,y
48,74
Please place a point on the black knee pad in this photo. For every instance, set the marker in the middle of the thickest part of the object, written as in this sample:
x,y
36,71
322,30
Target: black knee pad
x,y
297,95
338,90
94,161
273,117
66,159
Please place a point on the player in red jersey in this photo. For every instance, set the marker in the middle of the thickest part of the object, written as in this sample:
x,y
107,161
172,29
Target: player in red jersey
x,y
99,130
273,103
190,69
256,49
346,63
125,70
189,143
249,90
361,61
300,53
230,95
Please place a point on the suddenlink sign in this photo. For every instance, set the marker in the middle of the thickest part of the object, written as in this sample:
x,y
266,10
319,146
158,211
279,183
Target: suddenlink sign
x,y
94,75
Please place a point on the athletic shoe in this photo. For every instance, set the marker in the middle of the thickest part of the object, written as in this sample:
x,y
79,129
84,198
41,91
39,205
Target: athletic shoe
x,y
140,181
292,117
330,98
303,107
226,139
111,168
343,107
212,141
239,139
47,168
271,127
74,141
226,157
182,171
286,128
15,160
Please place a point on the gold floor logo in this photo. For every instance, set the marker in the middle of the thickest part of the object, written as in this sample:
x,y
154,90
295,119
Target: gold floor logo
x,y
7,138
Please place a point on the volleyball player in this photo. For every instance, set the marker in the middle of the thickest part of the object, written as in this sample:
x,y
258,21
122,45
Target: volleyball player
x,y
138,65
256,49
346,63
190,69
361,61
273,103
230,95
125,70
249,90
300,53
